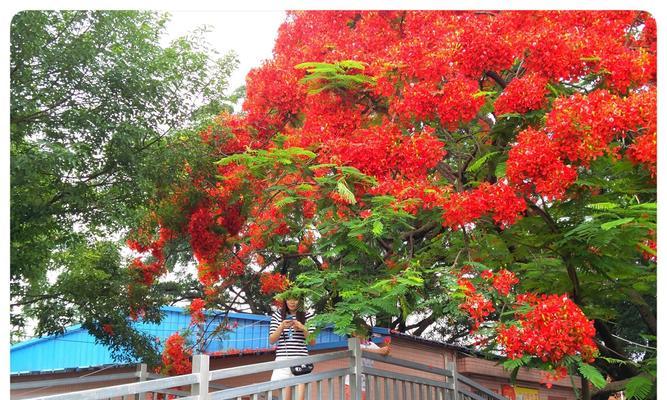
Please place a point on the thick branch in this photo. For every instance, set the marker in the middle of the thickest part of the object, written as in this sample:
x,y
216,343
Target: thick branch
x,y
499,80
422,325
614,346
644,309
419,232
613,387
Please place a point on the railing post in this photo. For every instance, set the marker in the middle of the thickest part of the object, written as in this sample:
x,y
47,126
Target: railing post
x,y
200,366
142,369
455,378
355,364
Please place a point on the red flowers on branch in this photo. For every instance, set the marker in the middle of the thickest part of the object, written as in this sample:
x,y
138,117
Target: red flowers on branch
x,y
503,281
521,95
552,328
175,357
197,311
271,283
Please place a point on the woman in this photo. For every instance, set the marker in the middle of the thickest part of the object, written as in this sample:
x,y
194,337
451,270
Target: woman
x,y
288,331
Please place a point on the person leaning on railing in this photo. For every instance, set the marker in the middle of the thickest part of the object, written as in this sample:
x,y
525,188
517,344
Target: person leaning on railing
x,y
363,334
288,331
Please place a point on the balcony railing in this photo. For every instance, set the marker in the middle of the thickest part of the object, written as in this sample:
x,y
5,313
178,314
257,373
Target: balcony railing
x,y
399,380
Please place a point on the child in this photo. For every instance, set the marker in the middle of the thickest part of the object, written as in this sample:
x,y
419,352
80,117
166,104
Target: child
x,y
367,345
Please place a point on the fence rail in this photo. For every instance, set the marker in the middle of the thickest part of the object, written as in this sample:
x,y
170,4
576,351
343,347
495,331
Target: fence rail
x,y
378,383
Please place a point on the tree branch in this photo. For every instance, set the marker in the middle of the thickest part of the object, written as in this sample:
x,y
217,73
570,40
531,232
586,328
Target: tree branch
x,y
644,309
499,80
614,387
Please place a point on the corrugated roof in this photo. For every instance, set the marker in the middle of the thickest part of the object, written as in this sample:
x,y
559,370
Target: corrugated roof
x,y
76,348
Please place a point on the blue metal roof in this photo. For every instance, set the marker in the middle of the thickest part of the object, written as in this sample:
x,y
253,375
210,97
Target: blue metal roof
x,y
76,348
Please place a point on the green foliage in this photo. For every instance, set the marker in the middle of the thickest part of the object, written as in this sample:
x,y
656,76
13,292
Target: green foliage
x,y
592,375
639,387
336,76
98,118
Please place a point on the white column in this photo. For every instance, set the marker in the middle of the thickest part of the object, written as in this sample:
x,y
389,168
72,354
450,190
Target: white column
x,y
355,364
200,366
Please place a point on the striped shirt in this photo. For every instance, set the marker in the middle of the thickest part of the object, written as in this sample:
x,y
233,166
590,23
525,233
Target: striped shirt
x,y
286,346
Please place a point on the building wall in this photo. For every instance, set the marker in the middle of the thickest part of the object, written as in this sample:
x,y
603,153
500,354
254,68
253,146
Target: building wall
x,y
494,376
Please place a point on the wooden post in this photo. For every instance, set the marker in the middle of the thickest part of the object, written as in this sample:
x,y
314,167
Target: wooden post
x,y
355,379
143,375
455,377
200,366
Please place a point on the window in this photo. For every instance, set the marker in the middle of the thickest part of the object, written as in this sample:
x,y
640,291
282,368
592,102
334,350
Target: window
x,y
523,393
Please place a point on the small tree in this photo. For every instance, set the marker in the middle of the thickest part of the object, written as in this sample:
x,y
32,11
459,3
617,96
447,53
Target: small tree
x,y
95,105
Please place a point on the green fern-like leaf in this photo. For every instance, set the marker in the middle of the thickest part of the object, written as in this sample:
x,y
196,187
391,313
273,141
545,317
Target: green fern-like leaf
x,y
638,388
378,228
613,224
474,167
284,201
515,363
602,206
345,192
592,374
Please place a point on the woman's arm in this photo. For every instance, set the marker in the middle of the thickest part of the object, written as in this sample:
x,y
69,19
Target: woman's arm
x,y
381,350
305,331
276,334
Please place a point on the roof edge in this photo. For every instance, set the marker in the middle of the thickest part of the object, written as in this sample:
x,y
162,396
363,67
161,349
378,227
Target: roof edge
x,y
69,330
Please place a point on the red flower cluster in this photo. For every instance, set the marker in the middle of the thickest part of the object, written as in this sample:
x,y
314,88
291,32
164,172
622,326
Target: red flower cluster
x,y
197,311
651,244
478,307
522,95
534,163
549,377
205,243
553,328
582,126
499,200
175,358
467,286
503,281
412,195
645,151
306,242
147,272
108,329
271,283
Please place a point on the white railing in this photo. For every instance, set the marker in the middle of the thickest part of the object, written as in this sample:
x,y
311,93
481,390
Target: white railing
x,y
404,380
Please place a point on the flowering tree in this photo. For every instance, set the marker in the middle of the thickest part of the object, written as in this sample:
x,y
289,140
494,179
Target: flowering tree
x,y
492,170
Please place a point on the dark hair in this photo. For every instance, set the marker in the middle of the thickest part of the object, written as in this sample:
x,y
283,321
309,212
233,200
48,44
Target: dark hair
x,y
300,314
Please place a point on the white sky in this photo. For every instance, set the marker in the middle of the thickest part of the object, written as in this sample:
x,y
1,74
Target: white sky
x,y
251,34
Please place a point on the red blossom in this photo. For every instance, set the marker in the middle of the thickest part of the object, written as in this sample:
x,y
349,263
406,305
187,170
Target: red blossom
x,y
553,328
271,283
650,256
108,329
478,307
534,164
523,94
197,311
503,281
175,358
